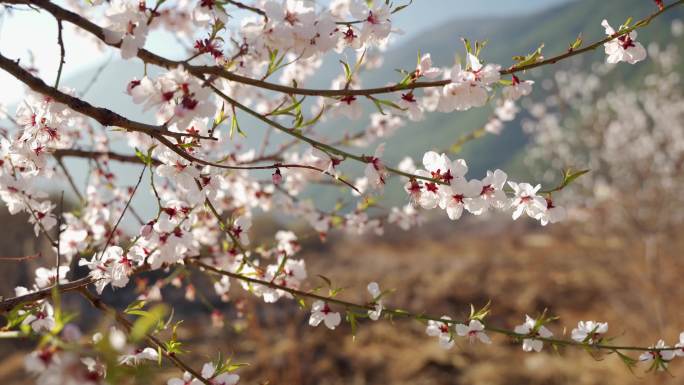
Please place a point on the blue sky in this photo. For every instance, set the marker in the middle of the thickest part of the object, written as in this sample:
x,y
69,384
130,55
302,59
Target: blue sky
x,y
27,30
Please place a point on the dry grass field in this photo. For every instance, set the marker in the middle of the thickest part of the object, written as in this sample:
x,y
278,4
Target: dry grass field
x,y
578,272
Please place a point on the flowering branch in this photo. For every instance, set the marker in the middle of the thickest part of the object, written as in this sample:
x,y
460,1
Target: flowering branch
x,y
152,58
419,317
121,319
102,115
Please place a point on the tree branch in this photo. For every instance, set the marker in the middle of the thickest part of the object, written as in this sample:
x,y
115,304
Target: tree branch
x,y
151,58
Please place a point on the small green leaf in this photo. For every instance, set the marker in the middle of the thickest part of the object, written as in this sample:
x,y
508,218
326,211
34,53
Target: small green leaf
x,y
146,323
577,43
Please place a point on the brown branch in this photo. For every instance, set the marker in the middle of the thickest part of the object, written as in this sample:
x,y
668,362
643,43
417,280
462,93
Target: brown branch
x,y
123,321
99,154
102,115
248,8
10,303
62,52
422,317
151,58
70,179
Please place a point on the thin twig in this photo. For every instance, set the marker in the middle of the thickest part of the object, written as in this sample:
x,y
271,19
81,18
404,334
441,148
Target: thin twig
x,y
422,317
128,203
123,321
62,52
61,164
59,239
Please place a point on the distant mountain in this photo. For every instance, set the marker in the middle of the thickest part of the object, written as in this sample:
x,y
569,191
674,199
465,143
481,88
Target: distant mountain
x,y
556,28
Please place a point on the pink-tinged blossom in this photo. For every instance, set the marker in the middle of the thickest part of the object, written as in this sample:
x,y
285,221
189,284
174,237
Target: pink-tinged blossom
x,y
42,319
441,330
209,372
624,47
552,213
680,345
48,277
491,194
663,356
375,170
474,330
376,19
517,89
469,87
240,229
42,217
320,311
530,329
376,302
457,196
425,68
126,23
139,356
526,200
589,332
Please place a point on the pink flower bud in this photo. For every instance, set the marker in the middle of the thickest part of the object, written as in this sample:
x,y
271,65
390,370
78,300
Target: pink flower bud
x,y
277,177
146,230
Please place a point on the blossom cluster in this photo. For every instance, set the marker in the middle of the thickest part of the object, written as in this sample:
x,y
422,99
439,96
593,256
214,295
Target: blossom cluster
x,y
209,183
444,185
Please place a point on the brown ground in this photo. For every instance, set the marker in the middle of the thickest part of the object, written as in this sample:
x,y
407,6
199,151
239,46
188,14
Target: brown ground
x,y
575,272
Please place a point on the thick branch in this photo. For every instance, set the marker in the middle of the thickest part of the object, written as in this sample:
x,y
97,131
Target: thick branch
x,y
10,303
102,115
151,58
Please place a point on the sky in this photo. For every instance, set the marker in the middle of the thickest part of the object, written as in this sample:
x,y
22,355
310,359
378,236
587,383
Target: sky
x,y
28,31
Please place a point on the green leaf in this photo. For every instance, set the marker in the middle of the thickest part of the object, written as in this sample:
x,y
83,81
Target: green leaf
x,y
530,58
481,313
351,317
570,176
401,7
134,306
234,125
577,43
146,323
347,71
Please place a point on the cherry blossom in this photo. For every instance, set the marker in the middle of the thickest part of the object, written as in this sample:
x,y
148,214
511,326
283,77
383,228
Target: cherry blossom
x,y
425,68
491,195
663,356
209,372
624,48
374,290
42,320
240,229
469,86
474,330
552,214
126,24
375,170
517,89
680,352
206,183
48,277
320,311
531,329
377,25
526,200
589,331
442,331
138,356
